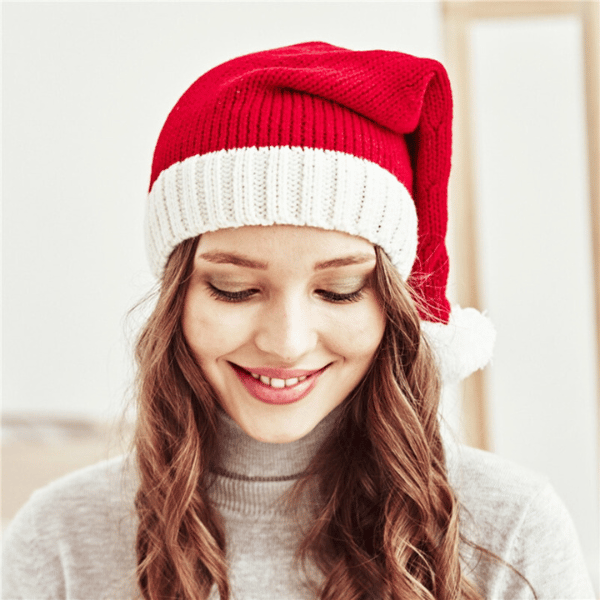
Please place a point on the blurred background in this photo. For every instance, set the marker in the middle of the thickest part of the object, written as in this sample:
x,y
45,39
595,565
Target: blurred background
x,y
86,88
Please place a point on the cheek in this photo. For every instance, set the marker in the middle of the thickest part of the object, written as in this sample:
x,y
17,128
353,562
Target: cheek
x,y
209,333
358,335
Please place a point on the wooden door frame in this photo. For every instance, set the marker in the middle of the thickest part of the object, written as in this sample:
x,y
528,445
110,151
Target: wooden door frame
x,y
458,16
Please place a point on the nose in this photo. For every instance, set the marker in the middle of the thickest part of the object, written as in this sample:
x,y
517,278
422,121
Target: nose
x,y
286,330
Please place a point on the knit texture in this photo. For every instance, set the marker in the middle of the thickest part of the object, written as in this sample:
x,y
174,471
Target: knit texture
x,y
283,186
391,109
76,538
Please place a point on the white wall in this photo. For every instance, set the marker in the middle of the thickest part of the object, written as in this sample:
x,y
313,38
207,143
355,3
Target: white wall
x,y
534,233
86,90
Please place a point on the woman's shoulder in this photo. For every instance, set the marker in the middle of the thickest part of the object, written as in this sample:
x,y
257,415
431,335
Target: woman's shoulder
x,y
76,532
499,499
95,488
515,513
495,495
84,500
478,474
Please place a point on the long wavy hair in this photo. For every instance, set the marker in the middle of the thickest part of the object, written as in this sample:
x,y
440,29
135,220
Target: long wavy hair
x,y
387,519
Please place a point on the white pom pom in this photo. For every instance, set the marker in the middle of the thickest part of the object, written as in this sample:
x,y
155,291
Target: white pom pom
x,y
462,346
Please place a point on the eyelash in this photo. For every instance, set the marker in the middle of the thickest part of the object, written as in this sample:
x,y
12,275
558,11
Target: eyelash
x,y
342,298
244,295
230,296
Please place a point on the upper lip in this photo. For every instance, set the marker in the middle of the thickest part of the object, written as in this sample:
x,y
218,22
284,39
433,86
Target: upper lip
x,y
279,373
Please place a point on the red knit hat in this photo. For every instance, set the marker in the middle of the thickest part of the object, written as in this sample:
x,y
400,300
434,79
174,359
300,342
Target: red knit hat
x,y
317,135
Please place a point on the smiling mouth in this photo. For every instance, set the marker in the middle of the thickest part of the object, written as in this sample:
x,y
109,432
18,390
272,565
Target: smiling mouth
x,y
277,383
273,387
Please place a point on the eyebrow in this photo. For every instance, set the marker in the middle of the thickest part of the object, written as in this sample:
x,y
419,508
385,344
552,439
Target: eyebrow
x,y
344,261
231,258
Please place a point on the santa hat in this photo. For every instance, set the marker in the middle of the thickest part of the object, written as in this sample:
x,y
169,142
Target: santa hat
x,y
322,136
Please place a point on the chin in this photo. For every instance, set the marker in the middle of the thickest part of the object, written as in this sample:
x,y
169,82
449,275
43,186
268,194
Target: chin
x,y
278,433
278,424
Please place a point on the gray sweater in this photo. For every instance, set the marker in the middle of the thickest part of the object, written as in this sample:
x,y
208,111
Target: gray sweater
x,y
75,538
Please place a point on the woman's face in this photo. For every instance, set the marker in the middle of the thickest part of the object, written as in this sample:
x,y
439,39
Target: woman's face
x,y
284,322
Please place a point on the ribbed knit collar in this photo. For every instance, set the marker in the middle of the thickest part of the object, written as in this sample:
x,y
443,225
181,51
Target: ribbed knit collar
x,y
253,476
243,456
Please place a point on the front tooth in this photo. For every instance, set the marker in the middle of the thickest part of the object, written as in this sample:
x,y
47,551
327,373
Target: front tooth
x,y
278,383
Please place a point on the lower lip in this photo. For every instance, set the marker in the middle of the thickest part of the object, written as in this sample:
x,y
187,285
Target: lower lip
x,y
271,395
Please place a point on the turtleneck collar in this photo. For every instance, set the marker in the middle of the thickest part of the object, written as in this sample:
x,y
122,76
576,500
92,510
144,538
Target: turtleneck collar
x,y
246,458
253,477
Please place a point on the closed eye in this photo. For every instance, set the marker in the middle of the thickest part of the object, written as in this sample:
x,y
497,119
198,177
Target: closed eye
x,y
341,298
243,295
226,296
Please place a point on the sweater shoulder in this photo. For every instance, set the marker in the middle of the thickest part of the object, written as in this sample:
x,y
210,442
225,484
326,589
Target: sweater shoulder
x,y
496,496
75,533
92,490
98,477
478,476
515,514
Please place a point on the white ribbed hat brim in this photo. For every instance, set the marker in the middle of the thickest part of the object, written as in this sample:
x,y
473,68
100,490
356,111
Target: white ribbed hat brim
x,y
281,186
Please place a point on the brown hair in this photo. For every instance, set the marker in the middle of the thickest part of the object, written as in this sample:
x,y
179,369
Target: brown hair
x,y
387,523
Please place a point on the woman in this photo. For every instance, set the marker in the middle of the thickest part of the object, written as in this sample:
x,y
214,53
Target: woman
x,y
288,443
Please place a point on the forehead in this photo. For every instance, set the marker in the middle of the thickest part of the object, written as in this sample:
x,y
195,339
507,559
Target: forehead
x,y
287,241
